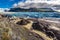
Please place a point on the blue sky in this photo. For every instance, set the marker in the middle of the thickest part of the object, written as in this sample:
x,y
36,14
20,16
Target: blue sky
x,y
8,3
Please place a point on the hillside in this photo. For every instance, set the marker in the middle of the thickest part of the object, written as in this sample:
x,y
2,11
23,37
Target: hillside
x,y
11,31
28,29
31,10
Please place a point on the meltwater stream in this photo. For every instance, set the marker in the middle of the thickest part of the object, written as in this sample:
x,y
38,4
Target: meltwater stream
x,y
37,14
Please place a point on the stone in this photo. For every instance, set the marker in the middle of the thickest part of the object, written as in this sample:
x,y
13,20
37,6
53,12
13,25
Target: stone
x,y
23,22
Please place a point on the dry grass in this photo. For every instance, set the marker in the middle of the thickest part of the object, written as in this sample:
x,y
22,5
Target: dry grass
x,y
11,31
43,35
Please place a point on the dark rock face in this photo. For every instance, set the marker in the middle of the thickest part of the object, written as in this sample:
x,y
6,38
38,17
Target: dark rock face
x,y
44,28
50,34
37,26
57,34
23,22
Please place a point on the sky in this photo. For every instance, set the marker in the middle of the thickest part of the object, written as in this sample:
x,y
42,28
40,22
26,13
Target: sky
x,y
36,3
7,4
10,3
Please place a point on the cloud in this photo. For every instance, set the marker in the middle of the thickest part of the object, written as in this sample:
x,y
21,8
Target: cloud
x,y
44,1
3,9
15,5
37,3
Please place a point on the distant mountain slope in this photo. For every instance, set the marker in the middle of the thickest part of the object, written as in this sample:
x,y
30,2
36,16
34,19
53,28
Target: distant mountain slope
x,y
31,10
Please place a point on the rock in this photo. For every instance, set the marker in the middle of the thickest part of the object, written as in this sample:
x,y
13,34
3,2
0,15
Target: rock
x,y
37,26
50,34
23,22
44,27
57,34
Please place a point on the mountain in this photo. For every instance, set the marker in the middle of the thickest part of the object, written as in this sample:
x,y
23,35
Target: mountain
x,y
31,10
56,8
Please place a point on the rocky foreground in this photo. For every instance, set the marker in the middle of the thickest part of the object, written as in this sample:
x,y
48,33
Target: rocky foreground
x,y
28,29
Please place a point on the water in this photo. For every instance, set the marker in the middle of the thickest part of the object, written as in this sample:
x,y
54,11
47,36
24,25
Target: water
x,y
37,14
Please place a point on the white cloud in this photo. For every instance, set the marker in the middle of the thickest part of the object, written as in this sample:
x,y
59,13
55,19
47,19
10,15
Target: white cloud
x,y
37,3
15,5
44,1
3,9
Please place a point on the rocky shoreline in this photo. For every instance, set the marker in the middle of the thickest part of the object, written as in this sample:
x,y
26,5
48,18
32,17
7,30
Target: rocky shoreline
x,y
28,29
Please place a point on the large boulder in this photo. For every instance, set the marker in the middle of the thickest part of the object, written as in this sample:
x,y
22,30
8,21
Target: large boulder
x,y
37,26
23,22
44,27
